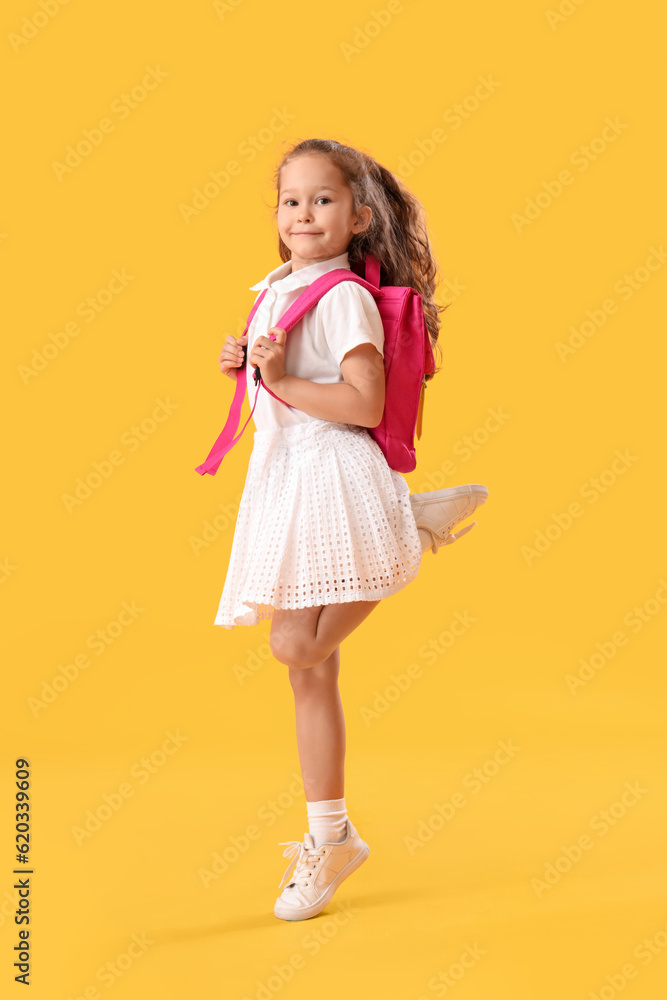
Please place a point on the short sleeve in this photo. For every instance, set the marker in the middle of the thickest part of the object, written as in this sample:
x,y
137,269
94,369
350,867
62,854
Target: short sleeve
x,y
349,317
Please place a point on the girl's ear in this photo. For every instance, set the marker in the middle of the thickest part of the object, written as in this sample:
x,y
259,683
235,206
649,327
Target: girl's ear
x,y
363,218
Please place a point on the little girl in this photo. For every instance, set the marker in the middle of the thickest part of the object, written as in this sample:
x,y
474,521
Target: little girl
x,y
325,528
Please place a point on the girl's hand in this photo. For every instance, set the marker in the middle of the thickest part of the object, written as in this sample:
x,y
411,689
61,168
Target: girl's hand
x,y
231,356
270,356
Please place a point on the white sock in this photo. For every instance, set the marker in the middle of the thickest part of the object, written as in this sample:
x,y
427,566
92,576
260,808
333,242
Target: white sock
x,y
327,821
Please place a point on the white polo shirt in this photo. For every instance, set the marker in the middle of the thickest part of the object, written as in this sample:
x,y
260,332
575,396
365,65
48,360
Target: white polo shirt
x,y
345,317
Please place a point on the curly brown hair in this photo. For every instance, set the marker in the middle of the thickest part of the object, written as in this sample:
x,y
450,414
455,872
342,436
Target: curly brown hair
x,y
397,234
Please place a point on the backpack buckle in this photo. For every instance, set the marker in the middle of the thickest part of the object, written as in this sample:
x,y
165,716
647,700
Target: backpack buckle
x,y
420,411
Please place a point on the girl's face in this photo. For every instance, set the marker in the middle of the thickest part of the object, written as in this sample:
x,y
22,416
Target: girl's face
x,y
315,218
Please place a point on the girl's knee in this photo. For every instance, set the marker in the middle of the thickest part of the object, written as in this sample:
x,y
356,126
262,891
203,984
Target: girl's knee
x,y
295,654
285,645
290,638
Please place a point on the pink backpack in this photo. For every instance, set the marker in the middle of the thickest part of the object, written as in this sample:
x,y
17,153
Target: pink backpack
x,y
408,356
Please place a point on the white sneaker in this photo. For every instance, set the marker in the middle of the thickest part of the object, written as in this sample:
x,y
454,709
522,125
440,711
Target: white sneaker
x,y
438,511
317,873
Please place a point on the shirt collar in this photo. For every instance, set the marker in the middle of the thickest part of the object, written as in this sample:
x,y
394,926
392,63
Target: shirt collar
x,y
286,281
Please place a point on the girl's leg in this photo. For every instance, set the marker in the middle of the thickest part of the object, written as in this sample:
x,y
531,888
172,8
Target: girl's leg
x,y
320,728
307,637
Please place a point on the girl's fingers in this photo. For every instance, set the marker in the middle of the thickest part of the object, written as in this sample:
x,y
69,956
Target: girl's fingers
x,y
232,353
231,356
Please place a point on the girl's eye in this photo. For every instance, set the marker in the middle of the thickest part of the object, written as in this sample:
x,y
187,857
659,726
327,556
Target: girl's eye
x,y
321,198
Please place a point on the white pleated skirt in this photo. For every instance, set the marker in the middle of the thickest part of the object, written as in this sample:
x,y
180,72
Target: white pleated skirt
x,y
322,520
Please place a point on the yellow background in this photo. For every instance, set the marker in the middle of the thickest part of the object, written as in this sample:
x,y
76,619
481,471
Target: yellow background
x,y
516,290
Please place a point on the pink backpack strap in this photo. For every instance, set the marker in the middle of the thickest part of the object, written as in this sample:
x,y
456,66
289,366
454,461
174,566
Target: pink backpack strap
x,y
226,440
372,270
312,294
308,298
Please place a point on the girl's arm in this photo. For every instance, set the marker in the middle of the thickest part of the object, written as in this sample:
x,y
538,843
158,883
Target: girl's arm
x,y
357,400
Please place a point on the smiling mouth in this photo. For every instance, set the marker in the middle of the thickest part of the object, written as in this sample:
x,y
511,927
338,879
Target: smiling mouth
x,y
306,234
